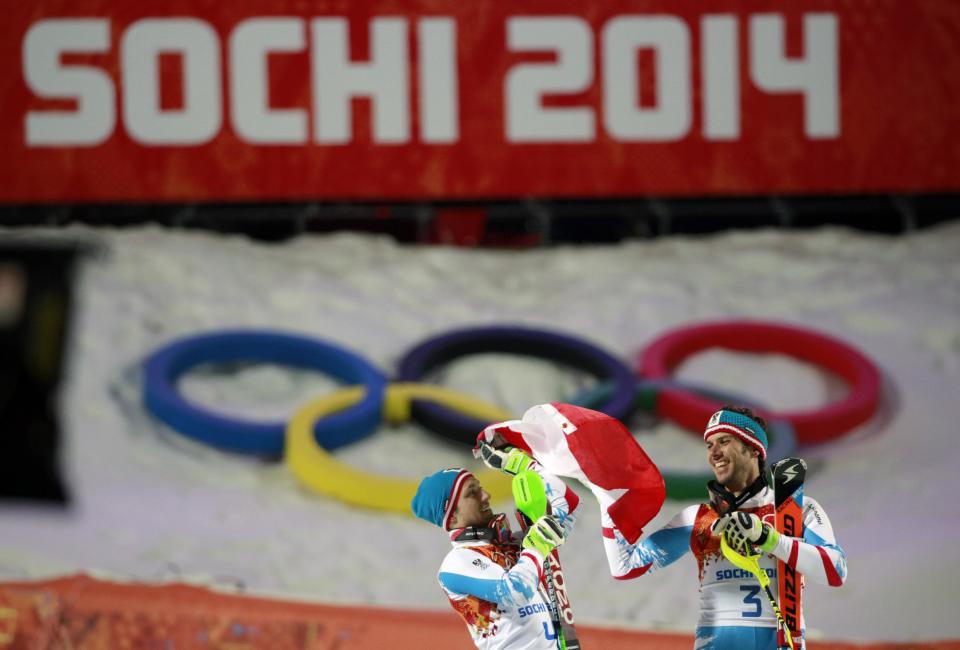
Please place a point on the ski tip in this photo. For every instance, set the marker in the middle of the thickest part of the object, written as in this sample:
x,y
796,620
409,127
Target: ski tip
x,y
786,461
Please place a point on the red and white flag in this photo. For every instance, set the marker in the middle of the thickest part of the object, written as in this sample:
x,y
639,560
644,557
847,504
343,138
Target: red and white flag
x,y
595,449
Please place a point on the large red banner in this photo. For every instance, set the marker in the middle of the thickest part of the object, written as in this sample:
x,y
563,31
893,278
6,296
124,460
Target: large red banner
x,y
192,100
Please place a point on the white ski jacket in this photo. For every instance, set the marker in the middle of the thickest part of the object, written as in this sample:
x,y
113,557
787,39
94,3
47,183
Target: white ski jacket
x,y
498,587
730,596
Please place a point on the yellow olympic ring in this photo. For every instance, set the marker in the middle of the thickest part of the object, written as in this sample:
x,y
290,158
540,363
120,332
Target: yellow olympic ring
x,y
322,472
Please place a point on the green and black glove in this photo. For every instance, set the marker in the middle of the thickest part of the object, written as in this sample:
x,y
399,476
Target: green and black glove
x,y
509,460
744,530
545,534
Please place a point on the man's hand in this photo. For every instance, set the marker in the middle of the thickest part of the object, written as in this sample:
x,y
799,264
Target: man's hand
x,y
509,460
744,530
545,534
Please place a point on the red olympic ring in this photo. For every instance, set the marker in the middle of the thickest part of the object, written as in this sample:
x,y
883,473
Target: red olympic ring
x,y
691,411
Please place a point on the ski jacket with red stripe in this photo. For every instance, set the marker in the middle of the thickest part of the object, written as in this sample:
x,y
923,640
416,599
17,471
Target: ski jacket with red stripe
x,y
499,589
730,596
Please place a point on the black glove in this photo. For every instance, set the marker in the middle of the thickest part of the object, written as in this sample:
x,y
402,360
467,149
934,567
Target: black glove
x,y
509,460
545,534
744,530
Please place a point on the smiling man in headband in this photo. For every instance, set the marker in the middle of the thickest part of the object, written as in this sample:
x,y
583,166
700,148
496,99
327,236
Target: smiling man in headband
x,y
734,613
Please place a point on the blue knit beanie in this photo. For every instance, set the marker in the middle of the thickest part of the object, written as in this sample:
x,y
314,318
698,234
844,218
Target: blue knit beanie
x,y
437,495
736,424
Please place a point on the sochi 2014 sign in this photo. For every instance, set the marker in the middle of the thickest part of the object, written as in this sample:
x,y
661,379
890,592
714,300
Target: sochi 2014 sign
x,y
440,99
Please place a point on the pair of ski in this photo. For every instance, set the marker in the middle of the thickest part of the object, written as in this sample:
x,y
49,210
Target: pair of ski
x,y
531,500
788,476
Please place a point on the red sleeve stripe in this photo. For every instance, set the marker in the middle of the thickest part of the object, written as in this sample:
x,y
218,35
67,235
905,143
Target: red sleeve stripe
x,y
536,561
794,552
573,500
833,578
634,573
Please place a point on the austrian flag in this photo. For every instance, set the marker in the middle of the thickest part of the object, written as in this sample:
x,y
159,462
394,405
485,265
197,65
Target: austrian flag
x,y
595,449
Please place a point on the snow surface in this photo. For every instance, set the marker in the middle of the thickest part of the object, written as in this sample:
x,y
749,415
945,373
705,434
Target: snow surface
x,y
149,504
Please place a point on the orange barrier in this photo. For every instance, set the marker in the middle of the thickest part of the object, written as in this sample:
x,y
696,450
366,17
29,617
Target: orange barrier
x,y
82,613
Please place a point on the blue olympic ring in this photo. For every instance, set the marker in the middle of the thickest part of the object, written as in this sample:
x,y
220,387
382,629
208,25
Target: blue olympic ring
x,y
167,364
617,397
439,350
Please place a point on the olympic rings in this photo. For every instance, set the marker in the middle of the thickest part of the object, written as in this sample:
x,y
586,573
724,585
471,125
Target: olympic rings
x,y
350,414
819,425
683,485
439,350
322,472
166,365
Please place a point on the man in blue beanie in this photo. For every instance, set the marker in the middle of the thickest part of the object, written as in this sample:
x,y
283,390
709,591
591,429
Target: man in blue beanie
x,y
494,578
734,613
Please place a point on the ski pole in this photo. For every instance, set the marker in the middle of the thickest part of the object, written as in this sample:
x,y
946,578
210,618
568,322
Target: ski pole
x,y
531,500
751,563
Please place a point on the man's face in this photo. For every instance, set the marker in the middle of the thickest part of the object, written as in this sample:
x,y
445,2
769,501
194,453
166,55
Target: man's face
x,y
731,460
473,508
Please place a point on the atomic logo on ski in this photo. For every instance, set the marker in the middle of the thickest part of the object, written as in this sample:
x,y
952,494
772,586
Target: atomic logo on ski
x,y
791,472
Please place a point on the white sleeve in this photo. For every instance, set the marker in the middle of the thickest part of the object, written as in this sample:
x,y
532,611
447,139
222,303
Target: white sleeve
x,y
817,555
655,551
465,572
564,502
